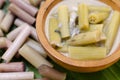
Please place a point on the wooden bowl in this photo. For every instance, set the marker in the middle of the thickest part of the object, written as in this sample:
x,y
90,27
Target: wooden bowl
x,y
68,63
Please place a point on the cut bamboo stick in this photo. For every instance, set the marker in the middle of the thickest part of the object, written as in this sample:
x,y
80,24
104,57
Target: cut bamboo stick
x,y
21,14
19,22
63,19
4,43
33,57
2,14
37,47
83,17
35,2
14,33
97,17
8,55
99,8
26,7
17,76
87,53
12,67
99,27
7,22
54,36
112,30
85,38
51,73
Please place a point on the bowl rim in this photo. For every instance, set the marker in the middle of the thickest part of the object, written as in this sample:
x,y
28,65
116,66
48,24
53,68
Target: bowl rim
x,y
56,56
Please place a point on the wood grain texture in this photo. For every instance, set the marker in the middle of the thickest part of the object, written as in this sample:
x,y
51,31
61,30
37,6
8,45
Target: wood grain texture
x,y
68,63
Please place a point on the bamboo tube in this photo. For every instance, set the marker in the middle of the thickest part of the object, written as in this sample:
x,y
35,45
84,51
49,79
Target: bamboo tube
x,y
26,7
4,43
35,2
1,33
21,14
87,53
51,73
17,76
97,17
7,22
112,30
83,17
37,47
14,33
99,8
33,57
12,67
85,38
2,14
8,55
54,37
63,19
1,3
19,22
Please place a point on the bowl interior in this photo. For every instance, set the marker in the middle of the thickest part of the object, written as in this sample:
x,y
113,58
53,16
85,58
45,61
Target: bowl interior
x,y
72,64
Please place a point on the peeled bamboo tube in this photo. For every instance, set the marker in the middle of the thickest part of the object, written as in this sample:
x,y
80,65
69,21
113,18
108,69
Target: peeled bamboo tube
x,y
4,43
97,17
19,22
51,73
54,36
112,30
33,57
64,48
37,47
11,51
13,34
99,27
21,14
2,14
87,53
63,19
17,76
85,38
35,2
99,8
83,17
12,67
7,22
26,7
1,3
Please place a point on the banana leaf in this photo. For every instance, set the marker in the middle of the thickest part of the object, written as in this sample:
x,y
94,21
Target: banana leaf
x,y
111,73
